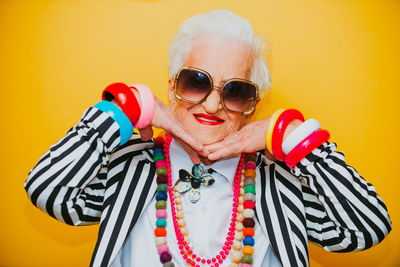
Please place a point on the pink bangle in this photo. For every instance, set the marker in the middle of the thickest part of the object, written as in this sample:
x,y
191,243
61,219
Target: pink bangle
x,y
147,105
305,147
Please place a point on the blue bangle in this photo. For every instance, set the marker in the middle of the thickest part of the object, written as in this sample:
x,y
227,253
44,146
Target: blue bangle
x,y
125,125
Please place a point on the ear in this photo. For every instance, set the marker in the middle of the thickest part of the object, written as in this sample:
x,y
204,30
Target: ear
x,y
171,95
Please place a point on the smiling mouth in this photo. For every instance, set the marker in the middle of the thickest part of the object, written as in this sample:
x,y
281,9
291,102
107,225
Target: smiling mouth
x,y
207,119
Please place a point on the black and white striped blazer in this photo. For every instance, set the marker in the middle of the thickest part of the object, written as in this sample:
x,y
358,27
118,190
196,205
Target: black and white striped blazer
x,y
86,178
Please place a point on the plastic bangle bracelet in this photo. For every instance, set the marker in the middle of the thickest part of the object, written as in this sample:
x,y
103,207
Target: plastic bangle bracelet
x,y
299,134
125,125
306,146
125,98
147,100
281,124
270,127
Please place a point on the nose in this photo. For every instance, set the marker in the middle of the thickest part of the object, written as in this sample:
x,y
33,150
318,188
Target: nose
x,y
212,104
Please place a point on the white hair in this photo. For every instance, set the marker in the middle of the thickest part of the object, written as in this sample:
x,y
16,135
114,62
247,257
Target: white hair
x,y
224,24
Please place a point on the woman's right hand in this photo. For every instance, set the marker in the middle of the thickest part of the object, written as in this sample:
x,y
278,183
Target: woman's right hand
x,y
164,118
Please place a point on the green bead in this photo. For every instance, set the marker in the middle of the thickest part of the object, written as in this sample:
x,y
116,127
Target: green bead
x,y
162,188
158,157
161,204
247,259
161,170
250,189
250,158
169,264
161,222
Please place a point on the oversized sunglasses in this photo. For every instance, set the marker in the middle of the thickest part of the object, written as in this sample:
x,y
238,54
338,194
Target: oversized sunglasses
x,y
237,95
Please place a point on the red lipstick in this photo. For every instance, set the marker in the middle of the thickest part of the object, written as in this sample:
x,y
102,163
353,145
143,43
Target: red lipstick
x,y
207,119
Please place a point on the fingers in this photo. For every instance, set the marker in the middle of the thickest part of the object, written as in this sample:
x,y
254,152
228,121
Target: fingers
x,y
146,133
229,146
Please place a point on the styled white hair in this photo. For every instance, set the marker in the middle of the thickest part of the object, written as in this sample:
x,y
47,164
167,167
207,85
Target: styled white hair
x,y
227,25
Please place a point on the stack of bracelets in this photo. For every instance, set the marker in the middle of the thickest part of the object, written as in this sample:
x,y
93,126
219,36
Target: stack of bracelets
x,y
132,114
299,143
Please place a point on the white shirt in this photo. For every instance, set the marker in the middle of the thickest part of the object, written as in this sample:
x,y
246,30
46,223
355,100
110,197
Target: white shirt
x,y
207,221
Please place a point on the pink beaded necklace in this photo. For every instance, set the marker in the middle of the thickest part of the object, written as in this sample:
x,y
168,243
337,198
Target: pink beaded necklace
x,y
242,212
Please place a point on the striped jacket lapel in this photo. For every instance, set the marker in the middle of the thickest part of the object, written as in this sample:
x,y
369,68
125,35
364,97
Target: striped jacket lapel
x,y
132,194
280,212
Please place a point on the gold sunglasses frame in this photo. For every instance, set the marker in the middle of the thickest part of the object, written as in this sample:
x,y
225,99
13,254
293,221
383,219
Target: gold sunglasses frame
x,y
218,88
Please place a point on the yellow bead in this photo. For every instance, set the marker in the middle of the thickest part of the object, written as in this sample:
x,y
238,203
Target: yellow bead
x,y
239,227
239,217
242,183
239,236
241,199
236,256
178,201
242,191
179,214
240,208
233,265
248,250
184,231
179,207
181,222
237,244
187,239
177,194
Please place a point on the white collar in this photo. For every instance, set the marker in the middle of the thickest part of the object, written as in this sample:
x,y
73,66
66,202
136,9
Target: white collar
x,y
180,160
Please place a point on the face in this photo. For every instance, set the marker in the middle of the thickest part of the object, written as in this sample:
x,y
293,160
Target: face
x,y
223,60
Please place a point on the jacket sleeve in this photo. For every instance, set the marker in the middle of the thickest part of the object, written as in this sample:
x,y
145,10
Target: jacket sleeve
x,y
343,211
68,182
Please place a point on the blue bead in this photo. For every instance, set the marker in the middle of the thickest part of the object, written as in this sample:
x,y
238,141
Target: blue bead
x,y
248,241
157,151
161,196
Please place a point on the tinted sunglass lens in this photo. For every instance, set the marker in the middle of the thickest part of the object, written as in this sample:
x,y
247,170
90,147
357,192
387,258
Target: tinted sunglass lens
x,y
239,96
192,85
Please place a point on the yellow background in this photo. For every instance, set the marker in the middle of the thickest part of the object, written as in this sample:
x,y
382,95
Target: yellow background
x,y
335,60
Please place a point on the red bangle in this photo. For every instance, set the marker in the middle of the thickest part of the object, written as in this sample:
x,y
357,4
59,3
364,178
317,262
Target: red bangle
x,y
306,146
126,99
281,124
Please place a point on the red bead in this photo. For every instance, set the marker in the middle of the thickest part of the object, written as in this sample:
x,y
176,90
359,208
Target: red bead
x,y
208,261
194,256
220,261
223,257
198,259
216,264
248,204
203,261
213,259
221,253
185,256
218,256
188,261
190,251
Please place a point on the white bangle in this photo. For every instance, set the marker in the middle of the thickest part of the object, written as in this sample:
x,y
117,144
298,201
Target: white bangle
x,y
299,134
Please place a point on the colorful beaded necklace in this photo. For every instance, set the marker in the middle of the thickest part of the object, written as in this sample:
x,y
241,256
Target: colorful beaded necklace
x,y
241,230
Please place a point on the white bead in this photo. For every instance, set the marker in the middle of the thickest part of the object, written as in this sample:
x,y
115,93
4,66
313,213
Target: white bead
x,y
241,199
179,207
250,196
248,213
177,194
233,265
239,236
187,239
242,183
161,240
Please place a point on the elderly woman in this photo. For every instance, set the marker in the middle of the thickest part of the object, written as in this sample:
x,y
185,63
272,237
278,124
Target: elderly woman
x,y
217,190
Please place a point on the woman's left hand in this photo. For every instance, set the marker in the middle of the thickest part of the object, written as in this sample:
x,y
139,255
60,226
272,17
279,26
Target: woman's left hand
x,y
248,139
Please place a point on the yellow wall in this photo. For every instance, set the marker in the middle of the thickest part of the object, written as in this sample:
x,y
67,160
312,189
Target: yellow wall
x,y
336,60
